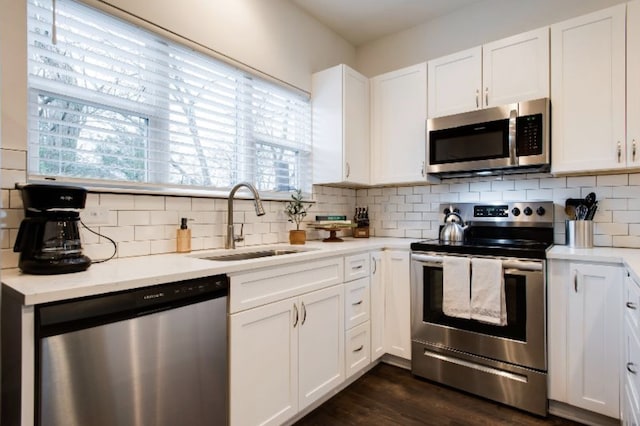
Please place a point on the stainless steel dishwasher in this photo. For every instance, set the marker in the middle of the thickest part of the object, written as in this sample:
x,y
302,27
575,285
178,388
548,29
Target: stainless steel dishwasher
x,y
150,356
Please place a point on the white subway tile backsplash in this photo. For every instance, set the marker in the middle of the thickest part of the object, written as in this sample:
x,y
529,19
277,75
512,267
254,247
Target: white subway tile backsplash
x,y
479,186
178,203
117,201
579,181
553,182
9,178
612,180
539,194
133,217
134,248
506,185
14,159
148,202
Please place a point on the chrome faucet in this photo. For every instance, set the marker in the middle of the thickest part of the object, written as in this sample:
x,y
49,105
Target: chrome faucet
x,y
230,242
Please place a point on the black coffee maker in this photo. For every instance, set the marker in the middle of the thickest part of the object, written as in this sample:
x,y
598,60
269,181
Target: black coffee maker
x,y
49,238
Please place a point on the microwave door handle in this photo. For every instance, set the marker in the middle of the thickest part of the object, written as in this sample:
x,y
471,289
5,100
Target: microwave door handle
x,y
513,114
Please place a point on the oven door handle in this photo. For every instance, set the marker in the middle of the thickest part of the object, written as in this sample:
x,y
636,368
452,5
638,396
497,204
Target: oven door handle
x,y
517,265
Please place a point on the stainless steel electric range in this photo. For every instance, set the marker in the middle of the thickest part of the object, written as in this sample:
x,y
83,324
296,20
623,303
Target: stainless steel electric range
x,y
505,363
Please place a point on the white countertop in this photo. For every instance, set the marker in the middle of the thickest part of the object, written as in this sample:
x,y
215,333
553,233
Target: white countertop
x,y
134,272
629,257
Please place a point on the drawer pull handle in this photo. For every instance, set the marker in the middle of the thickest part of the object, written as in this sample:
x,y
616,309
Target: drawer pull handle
x,y
375,265
358,267
362,346
295,310
575,281
304,314
629,369
632,305
357,303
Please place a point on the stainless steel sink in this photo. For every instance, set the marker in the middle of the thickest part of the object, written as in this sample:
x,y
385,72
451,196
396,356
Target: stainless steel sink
x,y
252,254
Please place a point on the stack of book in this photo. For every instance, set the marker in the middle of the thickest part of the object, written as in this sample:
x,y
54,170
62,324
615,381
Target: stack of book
x,y
331,221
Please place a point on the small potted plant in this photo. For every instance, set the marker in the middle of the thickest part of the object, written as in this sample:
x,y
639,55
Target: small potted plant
x,y
296,210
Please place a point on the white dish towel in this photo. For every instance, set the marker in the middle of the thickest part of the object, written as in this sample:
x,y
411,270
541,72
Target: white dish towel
x,y
455,287
488,302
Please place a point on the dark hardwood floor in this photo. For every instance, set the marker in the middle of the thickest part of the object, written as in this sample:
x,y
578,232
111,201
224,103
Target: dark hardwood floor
x,y
389,395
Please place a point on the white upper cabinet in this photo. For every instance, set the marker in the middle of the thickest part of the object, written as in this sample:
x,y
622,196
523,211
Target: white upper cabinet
x,y
633,84
510,70
454,83
398,114
340,104
516,69
588,92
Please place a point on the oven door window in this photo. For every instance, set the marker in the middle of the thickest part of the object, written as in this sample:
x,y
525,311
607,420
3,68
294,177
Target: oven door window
x,y
516,302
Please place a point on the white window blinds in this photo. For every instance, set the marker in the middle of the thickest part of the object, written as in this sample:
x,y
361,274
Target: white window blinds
x,y
113,103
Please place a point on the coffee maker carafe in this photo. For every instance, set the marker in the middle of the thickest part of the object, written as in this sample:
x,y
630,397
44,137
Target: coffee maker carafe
x,y
49,237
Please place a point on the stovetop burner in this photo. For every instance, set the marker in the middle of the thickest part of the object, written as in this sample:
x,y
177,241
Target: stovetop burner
x,y
504,229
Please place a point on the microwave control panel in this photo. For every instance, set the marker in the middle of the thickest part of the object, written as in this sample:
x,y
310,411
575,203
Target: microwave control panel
x,y
529,135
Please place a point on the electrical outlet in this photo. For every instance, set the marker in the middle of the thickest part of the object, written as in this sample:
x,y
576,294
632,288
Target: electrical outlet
x,y
95,216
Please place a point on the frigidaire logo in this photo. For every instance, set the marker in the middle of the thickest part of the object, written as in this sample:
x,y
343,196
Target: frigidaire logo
x,y
153,296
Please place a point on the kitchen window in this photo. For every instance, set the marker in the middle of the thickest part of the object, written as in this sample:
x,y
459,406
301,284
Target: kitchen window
x,y
112,104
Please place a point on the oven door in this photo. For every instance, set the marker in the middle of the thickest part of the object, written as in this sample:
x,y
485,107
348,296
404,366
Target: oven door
x,y
521,341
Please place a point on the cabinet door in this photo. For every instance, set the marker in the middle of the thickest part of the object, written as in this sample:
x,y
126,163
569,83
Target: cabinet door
x,y
593,338
356,127
454,83
321,343
633,84
263,364
357,302
399,111
377,306
397,319
588,92
340,111
516,69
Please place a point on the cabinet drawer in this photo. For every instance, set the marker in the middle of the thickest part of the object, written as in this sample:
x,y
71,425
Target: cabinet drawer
x,y
632,358
358,348
252,289
356,266
632,303
357,302
630,408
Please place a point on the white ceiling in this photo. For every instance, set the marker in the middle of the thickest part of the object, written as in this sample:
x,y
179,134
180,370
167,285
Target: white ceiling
x,y
361,21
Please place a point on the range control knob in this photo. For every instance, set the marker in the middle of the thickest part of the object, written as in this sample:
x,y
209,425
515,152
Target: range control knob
x,y
446,210
541,211
528,211
515,211
456,210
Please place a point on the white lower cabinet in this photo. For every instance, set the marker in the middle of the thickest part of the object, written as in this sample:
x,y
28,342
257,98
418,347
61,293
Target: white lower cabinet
x,y
358,348
285,355
397,317
631,360
377,305
584,308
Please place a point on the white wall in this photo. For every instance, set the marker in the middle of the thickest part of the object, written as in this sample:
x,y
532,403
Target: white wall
x,y
273,36
479,23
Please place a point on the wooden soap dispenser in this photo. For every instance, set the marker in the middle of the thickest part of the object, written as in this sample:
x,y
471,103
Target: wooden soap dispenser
x,y
183,238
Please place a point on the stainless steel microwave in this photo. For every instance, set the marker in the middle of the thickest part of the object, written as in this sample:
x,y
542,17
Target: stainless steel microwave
x,y
511,138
